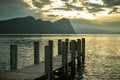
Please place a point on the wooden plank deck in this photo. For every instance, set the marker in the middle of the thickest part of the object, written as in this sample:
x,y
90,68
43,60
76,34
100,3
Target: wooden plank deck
x,y
32,72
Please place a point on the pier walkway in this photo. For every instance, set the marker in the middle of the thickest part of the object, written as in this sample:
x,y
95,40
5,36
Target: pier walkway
x,y
47,69
32,72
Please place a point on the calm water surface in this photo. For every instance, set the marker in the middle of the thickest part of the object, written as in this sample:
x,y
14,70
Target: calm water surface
x,y
102,53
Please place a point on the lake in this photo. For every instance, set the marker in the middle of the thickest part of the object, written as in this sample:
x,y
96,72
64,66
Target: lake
x,y
102,53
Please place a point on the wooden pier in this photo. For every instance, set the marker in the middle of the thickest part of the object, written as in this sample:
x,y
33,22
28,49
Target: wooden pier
x,y
70,58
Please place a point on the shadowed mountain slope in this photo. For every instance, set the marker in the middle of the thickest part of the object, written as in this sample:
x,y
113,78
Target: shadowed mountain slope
x,y
28,25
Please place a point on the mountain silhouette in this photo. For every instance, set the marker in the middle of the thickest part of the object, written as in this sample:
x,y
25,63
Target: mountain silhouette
x,y
29,25
63,25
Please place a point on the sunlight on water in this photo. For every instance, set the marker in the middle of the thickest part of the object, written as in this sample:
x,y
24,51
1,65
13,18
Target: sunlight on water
x,y
102,54
102,58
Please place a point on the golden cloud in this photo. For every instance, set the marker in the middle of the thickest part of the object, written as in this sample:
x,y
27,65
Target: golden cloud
x,y
108,18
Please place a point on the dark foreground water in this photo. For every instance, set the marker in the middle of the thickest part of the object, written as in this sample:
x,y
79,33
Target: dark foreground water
x,y
102,53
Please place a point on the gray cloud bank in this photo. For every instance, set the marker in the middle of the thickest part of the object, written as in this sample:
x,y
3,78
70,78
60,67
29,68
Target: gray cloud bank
x,y
90,7
12,8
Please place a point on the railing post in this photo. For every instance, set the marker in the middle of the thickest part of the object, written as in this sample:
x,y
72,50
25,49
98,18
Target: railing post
x,y
48,63
83,51
73,57
59,47
67,44
78,54
51,45
13,57
64,60
36,52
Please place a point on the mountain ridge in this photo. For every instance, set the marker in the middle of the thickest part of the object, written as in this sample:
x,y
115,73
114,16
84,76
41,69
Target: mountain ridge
x,y
29,25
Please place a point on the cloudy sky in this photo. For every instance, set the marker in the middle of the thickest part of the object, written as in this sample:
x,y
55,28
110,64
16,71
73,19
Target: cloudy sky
x,y
99,14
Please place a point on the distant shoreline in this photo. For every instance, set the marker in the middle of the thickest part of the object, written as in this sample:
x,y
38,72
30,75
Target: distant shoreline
x,y
50,35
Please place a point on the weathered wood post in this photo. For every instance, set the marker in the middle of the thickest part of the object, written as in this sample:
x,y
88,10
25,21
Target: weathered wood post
x,y
83,51
36,52
78,54
73,57
48,63
67,45
51,45
64,60
59,47
13,57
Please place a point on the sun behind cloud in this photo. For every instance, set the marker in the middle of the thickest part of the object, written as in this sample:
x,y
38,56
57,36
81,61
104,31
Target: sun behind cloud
x,y
96,2
87,9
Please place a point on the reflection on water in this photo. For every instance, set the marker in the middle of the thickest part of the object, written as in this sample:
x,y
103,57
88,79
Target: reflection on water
x,y
102,54
102,58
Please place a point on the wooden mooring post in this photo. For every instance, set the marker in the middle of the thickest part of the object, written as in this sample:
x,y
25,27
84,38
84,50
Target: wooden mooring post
x,y
13,57
50,42
49,61
67,44
36,52
65,60
59,47
73,70
78,54
83,51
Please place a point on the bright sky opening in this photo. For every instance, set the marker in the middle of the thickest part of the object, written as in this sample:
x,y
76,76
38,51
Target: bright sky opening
x,y
87,9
